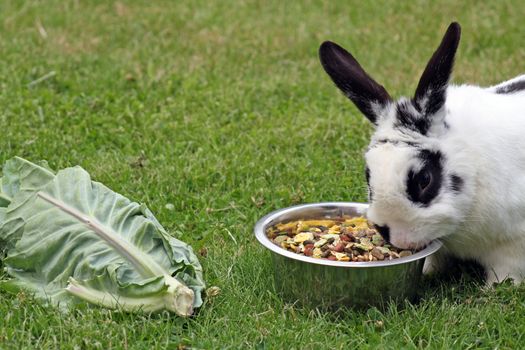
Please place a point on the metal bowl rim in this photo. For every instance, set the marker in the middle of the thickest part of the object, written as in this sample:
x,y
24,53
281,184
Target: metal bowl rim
x,y
431,248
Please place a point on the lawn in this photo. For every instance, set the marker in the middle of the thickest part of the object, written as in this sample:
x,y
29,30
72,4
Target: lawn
x,y
222,110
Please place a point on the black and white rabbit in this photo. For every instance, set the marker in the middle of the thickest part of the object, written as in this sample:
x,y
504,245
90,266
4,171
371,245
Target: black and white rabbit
x,y
448,163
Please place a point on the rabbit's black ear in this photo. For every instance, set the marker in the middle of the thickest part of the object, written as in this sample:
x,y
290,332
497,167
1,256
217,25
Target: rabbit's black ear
x,y
350,77
431,91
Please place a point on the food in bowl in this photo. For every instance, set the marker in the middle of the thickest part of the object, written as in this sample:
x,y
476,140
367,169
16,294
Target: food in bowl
x,y
341,239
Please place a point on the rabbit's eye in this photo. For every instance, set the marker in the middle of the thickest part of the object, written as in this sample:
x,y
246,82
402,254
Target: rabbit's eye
x,y
425,179
424,184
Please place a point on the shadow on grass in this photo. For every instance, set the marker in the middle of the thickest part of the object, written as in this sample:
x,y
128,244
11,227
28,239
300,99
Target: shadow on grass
x,y
457,281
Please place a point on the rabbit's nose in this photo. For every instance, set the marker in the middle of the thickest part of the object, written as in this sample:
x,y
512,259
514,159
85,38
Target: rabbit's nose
x,y
384,231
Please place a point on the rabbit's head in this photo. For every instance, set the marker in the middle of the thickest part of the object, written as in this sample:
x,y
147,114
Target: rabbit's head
x,y
412,191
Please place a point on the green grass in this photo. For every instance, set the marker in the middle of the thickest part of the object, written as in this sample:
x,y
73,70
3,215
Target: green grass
x,y
222,109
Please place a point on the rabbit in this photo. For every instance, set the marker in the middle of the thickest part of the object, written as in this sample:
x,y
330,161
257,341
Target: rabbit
x,y
448,163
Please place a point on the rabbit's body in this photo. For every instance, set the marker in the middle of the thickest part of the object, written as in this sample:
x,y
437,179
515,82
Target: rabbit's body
x,y
486,140
448,163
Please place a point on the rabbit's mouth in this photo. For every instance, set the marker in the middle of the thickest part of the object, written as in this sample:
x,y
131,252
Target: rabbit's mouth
x,y
405,241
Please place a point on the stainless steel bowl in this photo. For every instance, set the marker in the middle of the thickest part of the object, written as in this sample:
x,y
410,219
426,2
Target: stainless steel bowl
x,y
331,284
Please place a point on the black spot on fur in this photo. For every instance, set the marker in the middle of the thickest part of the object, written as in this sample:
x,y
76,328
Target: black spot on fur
x,y
423,185
384,231
396,142
456,183
409,118
511,88
367,176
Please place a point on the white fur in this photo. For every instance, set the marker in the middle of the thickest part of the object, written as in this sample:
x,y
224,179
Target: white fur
x,y
484,145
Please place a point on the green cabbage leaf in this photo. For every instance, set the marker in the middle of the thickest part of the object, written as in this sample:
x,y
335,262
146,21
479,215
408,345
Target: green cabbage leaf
x,y
68,239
